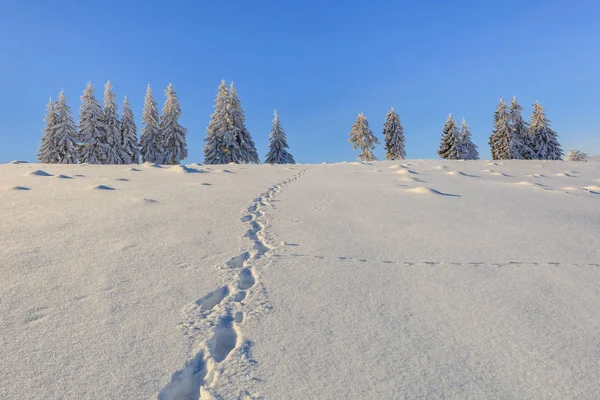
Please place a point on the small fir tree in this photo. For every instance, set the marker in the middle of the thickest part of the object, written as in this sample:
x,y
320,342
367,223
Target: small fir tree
x,y
151,147
469,149
114,152
171,133
545,140
218,127
393,132
278,145
129,134
576,155
243,149
450,144
500,140
361,136
521,144
59,143
91,128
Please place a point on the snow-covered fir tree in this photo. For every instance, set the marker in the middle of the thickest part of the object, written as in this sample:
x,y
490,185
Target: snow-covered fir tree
x,y
278,145
91,128
500,140
545,140
59,143
129,134
393,133
450,144
114,152
576,155
244,149
469,149
218,127
171,133
151,148
362,137
520,140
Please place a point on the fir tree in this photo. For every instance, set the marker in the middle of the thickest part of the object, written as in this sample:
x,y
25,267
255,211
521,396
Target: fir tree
x,y
520,141
129,135
469,149
500,140
243,150
450,145
393,133
545,140
278,144
171,133
219,127
576,155
59,143
361,136
114,152
150,141
91,128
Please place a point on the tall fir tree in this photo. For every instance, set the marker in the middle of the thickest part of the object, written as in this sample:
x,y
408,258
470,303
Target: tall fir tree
x,y
500,140
519,132
469,149
129,134
362,137
171,133
114,152
151,147
450,144
218,127
545,140
393,133
278,145
59,143
244,149
91,128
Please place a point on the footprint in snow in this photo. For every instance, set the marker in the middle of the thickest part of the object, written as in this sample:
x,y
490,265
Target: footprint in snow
x,y
426,191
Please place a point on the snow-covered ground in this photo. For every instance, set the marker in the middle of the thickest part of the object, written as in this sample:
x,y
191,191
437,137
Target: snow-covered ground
x,y
385,280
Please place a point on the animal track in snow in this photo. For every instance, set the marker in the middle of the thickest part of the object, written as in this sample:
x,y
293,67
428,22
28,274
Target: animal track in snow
x,y
213,299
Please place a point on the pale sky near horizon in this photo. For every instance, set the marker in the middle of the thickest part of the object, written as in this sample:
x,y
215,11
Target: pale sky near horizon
x,y
320,63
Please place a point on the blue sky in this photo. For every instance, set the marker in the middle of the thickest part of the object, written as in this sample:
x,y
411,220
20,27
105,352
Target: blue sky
x,y
319,63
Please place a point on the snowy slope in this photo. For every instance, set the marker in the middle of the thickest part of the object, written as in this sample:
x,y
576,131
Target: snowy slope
x,y
413,279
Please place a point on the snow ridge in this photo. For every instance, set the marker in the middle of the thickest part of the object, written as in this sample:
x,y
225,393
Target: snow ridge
x,y
216,318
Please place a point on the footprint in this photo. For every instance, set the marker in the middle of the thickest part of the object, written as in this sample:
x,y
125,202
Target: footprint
x,y
186,383
246,279
239,317
239,296
213,299
238,261
223,340
102,187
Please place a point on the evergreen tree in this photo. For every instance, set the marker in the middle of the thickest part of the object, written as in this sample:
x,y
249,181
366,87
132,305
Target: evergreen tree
x,y
450,145
393,133
129,134
59,143
469,149
172,134
219,127
361,136
500,140
244,149
114,152
278,144
520,141
91,128
150,140
576,155
546,146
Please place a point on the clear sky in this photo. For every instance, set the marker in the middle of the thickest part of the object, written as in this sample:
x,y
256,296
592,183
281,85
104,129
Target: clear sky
x,y
319,62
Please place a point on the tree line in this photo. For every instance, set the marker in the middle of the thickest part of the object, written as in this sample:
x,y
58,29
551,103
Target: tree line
x,y
103,137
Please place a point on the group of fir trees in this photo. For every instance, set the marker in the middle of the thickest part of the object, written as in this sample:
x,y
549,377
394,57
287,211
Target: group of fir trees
x,y
455,144
513,138
362,137
102,137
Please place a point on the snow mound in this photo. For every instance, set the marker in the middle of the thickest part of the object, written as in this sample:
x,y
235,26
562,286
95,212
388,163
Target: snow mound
x,y
566,174
39,172
182,169
151,165
425,190
440,167
18,162
406,172
133,169
102,187
459,173
526,183
537,175
593,189
225,170
19,188
61,176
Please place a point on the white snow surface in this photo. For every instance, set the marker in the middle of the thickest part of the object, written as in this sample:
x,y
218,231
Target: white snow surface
x,y
330,281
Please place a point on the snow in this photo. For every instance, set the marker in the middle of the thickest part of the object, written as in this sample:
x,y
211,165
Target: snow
x,y
301,281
